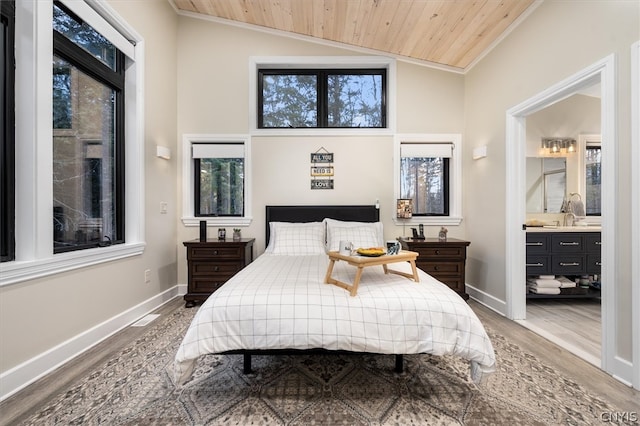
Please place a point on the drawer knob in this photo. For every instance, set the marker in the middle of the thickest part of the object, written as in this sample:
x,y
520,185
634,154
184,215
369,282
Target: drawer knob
x,y
437,251
570,243
537,243
435,268
216,268
215,252
598,243
569,263
598,263
535,264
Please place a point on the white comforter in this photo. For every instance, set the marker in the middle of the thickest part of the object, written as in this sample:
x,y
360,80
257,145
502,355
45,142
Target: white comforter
x,y
282,302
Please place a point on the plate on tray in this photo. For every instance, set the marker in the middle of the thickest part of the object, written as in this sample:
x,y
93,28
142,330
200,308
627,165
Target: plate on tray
x,y
371,253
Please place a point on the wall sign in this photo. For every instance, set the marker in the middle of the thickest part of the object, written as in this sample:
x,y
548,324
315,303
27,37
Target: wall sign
x,y
321,168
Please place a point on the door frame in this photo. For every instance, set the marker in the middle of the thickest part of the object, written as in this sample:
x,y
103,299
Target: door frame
x,y
602,72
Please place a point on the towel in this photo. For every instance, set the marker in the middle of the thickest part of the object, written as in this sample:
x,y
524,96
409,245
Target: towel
x,y
544,290
566,282
543,283
546,277
578,208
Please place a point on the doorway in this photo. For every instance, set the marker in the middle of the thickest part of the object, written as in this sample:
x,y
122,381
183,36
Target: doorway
x,y
601,73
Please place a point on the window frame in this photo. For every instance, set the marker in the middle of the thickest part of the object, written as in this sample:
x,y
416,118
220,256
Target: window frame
x,y
7,190
343,63
34,134
322,91
77,57
584,141
455,178
189,217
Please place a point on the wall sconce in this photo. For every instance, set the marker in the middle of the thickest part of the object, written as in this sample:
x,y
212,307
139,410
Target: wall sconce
x,y
479,152
163,152
557,145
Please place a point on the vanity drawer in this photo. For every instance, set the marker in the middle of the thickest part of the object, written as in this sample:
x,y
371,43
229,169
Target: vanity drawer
x,y
594,243
568,264
537,243
594,264
538,265
567,243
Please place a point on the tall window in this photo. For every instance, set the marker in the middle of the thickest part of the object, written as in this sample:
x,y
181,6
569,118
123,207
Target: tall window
x,y
219,179
425,177
322,98
593,179
88,135
7,133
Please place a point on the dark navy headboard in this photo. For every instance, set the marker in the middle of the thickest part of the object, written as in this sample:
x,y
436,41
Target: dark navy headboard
x,y
363,213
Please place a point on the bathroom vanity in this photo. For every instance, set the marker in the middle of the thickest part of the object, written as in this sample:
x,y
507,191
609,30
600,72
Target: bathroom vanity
x,y
567,251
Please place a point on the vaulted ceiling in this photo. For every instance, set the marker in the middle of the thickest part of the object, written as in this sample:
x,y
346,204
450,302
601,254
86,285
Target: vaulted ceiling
x,y
452,33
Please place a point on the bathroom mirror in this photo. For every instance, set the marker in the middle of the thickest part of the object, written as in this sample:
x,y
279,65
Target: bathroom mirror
x,y
546,184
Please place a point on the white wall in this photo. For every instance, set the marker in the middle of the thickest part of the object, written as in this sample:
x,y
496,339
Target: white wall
x,y
559,39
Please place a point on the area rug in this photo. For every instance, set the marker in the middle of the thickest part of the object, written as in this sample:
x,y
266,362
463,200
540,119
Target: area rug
x,y
135,387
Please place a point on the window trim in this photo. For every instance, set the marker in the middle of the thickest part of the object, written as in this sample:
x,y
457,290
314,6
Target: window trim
x,y
322,62
34,133
188,181
455,177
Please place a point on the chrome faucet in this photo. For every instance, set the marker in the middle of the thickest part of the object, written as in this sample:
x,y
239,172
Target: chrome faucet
x,y
569,216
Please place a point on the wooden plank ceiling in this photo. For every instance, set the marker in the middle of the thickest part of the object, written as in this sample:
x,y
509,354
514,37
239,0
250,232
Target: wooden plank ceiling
x,y
446,32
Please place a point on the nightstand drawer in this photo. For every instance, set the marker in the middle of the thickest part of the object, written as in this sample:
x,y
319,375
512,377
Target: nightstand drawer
x,y
217,252
206,285
443,252
215,268
441,268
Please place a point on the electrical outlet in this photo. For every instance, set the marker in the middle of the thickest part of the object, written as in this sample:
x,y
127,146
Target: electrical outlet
x,y
147,276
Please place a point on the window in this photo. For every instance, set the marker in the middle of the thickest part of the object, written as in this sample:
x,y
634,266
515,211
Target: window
x,y
69,139
88,136
216,180
347,98
7,118
593,179
428,172
219,179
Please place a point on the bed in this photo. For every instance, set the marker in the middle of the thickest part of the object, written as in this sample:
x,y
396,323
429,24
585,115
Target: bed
x,y
280,303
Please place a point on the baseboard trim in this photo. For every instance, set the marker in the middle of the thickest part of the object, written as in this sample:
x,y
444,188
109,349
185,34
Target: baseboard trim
x,y
17,378
491,302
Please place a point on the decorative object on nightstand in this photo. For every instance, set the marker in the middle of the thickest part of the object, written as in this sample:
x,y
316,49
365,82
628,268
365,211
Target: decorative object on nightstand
x,y
222,234
404,210
443,260
211,263
237,234
442,235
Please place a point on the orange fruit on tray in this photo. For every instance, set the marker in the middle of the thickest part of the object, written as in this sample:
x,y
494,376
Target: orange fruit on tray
x,y
371,251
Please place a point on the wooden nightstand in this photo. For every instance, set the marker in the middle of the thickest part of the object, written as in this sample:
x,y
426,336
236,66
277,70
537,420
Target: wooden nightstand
x,y
212,263
445,261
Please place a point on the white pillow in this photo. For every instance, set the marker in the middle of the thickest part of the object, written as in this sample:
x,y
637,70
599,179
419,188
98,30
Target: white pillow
x,y
361,234
291,239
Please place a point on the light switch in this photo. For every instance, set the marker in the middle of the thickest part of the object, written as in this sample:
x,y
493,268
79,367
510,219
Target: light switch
x,y
163,207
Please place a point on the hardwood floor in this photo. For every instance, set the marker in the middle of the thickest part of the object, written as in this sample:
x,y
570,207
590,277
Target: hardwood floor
x,y
574,324
592,379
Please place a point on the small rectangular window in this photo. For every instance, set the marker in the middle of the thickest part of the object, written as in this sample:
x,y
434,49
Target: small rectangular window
x,y
321,98
593,177
424,177
219,179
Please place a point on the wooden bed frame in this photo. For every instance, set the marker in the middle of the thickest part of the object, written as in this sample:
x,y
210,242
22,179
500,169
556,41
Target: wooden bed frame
x,y
354,213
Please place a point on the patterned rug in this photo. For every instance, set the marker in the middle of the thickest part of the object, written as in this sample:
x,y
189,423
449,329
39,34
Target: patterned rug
x,y
136,388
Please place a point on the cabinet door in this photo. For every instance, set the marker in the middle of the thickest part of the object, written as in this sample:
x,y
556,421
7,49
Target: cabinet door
x,y
537,243
567,243
569,264
538,265
594,243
